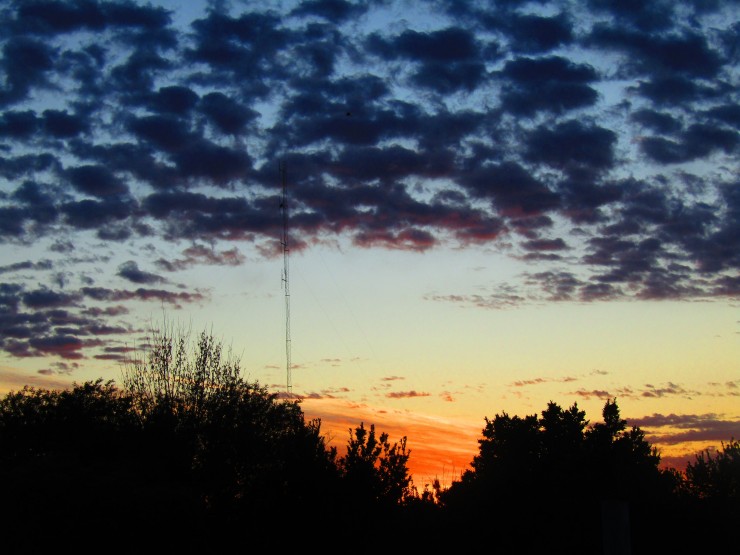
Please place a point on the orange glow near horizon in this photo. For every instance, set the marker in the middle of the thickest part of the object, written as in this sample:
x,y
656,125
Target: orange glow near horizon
x,y
440,448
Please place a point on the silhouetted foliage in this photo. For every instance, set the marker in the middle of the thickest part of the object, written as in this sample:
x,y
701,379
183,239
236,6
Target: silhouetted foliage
x,y
375,469
189,456
187,444
87,420
243,448
557,469
66,457
559,454
716,475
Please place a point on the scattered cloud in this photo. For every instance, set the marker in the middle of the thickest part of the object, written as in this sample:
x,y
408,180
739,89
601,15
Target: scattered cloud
x,y
671,429
406,394
596,144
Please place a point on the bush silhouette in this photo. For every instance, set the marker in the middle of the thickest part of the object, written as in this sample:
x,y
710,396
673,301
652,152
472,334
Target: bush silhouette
x,y
186,444
189,456
555,474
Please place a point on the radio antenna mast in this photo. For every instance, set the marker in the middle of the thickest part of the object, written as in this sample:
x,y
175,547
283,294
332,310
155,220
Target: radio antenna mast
x,y
286,282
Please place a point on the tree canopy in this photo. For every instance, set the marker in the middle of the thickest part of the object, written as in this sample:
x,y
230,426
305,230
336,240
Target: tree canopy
x,y
187,444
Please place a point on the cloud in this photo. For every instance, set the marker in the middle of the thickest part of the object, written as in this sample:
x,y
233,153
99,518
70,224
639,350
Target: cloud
x,y
572,143
551,85
503,297
668,390
594,142
592,394
449,59
201,254
142,294
522,383
130,271
406,394
684,52
534,33
539,381
671,429
27,265
335,11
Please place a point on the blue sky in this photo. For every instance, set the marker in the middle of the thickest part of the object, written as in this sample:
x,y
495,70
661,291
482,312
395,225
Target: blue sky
x,y
492,204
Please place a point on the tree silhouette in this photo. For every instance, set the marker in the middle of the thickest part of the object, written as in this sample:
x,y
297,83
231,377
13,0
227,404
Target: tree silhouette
x,y
553,473
716,475
374,469
187,444
66,457
193,457
244,451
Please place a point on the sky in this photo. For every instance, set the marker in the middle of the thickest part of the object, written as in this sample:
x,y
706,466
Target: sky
x,y
490,206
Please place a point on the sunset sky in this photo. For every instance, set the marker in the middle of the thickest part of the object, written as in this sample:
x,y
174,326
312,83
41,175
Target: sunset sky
x,y
492,205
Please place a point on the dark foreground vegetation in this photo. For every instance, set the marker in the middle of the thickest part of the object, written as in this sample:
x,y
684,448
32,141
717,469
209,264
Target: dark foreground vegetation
x,y
186,456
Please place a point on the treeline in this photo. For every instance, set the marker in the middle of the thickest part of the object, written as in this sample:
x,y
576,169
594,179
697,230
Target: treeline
x,y
188,456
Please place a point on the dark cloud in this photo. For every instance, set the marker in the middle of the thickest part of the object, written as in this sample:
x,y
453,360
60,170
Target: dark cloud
x,y
659,122
244,48
27,265
670,429
164,132
38,205
18,124
553,84
584,195
135,76
201,254
406,239
95,311
335,11
558,286
25,63
141,294
175,100
512,189
572,143
446,45
130,271
592,394
726,113
193,216
92,214
595,142
675,90
523,383
62,125
65,346
228,115
46,322
645,16
406,394
698,141
45,298
96,181
534,33
684,53
669,389
51,18
449,58
220,164
545,245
